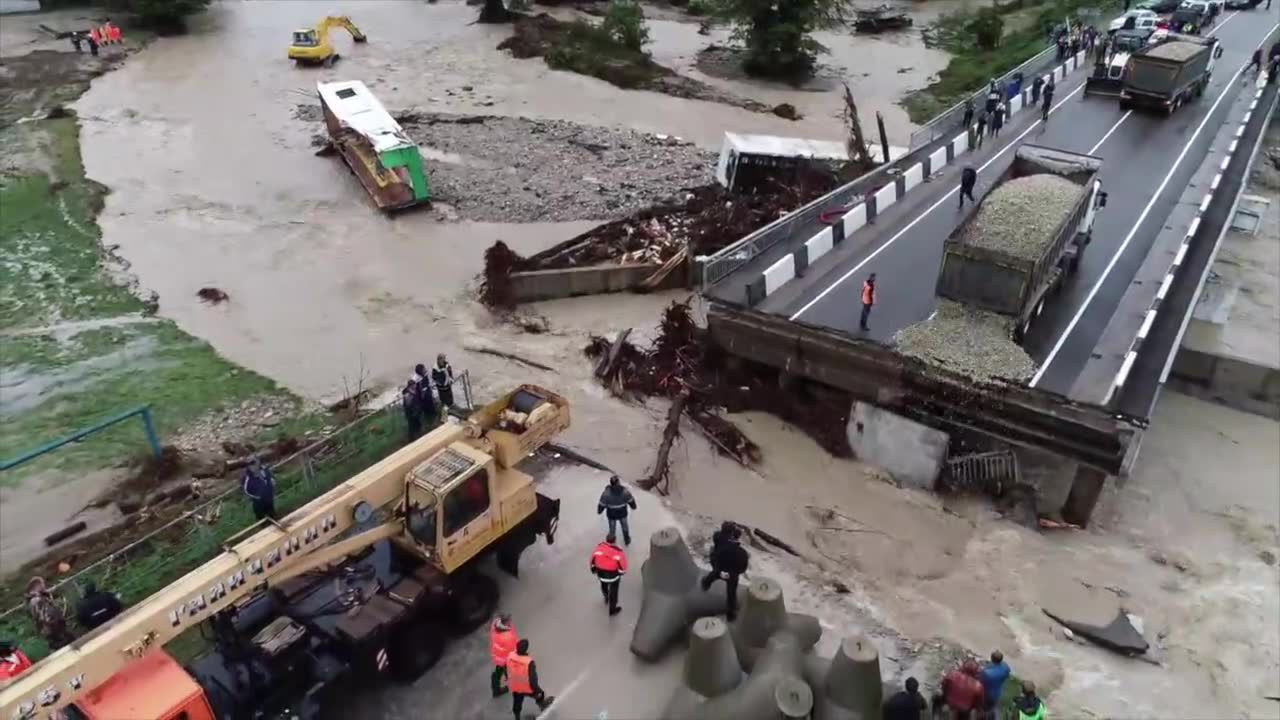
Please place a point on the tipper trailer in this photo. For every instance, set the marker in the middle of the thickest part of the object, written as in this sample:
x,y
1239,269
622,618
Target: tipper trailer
x,y
1025,236
1168,74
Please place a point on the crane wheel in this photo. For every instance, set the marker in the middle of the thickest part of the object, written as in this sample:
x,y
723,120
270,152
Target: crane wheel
x,y
474,600
416,650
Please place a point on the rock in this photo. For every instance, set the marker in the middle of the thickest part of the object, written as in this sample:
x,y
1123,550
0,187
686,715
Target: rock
x,y
786,111
1267,557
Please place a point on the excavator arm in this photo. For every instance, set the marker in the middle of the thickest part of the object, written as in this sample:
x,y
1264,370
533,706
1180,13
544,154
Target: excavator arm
x,y
340,21
276,552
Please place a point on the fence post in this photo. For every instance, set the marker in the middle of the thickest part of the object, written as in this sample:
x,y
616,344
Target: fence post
x,y
150,429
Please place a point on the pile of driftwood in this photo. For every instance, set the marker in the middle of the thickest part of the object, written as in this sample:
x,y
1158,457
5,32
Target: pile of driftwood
x,y
707,219
683,366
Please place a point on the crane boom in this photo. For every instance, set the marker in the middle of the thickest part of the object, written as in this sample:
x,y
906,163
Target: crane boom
x,y
240,572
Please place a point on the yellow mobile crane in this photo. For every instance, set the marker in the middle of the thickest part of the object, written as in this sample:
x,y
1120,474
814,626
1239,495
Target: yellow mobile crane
x,y
367,580
312,46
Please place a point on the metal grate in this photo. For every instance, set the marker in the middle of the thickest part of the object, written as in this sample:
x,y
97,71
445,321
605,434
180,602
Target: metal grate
x,y
445,466
991,472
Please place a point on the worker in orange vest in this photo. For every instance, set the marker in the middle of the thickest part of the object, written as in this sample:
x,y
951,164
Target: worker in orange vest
x,y
502,642
12,661
609,564
522,678
115,33
868,300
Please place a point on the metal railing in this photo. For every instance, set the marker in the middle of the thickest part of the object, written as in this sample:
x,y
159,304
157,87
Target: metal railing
x,y
197,533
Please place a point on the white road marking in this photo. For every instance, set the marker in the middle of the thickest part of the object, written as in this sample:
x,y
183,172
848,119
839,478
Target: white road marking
x,y
1098,144
924,214
1057,347
567,691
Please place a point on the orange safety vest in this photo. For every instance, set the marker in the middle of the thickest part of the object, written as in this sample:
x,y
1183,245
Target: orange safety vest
x,y
868,293
114,32
518,674
13,665
608,558
93,35
502,643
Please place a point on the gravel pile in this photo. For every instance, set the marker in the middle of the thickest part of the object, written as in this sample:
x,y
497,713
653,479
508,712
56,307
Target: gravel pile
x,y
502,169
967,340
1020,216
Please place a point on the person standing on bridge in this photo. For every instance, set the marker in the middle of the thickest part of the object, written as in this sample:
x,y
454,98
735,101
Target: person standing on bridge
x,y
968,114
868,299
997,119
968,178
1047,105
982,130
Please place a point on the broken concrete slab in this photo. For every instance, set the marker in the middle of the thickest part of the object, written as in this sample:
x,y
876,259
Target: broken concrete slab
x,y
1118,636
912,453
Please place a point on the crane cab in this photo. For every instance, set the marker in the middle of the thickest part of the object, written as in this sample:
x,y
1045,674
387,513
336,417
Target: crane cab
x,y
154,686
305,38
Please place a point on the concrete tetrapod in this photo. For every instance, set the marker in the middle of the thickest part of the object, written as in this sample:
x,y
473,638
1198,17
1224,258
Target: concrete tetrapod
x,y
768,693
672,597
764,614
848,686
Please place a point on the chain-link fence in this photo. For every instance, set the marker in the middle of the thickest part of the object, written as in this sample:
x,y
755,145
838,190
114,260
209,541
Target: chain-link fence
x,y
197,533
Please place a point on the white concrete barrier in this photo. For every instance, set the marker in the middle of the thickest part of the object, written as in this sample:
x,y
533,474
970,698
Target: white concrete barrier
x,y
938,159
886,197
779,273
820,244
960,145
913,177
854,219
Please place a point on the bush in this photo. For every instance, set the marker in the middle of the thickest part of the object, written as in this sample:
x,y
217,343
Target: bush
x,y
987,28
624,24
589,50
699,8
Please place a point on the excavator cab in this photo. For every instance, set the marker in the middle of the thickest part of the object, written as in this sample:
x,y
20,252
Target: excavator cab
x,y
305,38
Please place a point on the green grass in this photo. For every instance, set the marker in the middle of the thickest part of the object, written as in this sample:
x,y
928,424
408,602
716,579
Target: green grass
x,y
971,68
52,272
588,50
189,545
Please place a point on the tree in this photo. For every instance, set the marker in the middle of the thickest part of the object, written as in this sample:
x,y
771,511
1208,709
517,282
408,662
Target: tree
x,y
624,24
775,33
161,15
987,28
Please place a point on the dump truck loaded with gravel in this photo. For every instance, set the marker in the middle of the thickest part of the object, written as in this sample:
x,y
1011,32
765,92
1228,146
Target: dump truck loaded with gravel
x,y
1025,236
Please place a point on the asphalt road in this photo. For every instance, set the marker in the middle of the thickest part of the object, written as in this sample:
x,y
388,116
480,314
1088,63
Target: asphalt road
x,y
1148,162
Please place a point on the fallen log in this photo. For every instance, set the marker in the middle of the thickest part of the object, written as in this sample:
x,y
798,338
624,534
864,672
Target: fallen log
x,y
774,541
66,532
661,467
662,273
607,362
510,356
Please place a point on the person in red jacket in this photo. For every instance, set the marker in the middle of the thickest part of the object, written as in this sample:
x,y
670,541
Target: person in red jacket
x,y
609,564
961,692
12,661
502,642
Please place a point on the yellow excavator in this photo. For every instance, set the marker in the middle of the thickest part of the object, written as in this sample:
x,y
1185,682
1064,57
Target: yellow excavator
x,y
367,581
312,46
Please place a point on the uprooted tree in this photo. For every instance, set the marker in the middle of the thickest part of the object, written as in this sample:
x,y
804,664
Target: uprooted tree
x,y
776,33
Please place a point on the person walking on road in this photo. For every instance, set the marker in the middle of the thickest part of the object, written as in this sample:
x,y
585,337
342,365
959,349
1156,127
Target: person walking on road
x,y
1255,63
1047,105
968,114
502,642
968,179
982,130
522,678
609,564
260,487
1036,86
997,119
729,561
614,502
868,301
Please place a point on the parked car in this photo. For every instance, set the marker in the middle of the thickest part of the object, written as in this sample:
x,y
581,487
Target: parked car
x,y
1242,4
1189,21
1135,15
1160,7
1213,7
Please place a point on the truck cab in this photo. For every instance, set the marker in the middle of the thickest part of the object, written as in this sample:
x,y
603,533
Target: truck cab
x,y
154,687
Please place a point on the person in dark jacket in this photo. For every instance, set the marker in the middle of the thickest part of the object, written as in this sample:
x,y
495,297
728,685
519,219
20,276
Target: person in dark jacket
x,y
522,678
968,179
993,95
260,487
982,130
1036,85
410,396
1047,105
426,401
729,561
968,114
96,607
614,502
442,378
1028,704
997,119
905,704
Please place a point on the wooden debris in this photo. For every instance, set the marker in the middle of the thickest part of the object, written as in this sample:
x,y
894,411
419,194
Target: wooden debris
x,y
510,356
659,477
66,532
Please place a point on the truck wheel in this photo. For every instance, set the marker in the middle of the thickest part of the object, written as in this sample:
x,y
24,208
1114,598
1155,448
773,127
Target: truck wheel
x,y
475,597
416,650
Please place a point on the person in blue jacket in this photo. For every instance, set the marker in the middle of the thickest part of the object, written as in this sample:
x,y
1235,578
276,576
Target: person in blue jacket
x,y
993,677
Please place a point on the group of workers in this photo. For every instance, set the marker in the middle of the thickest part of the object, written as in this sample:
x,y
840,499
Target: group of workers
x,y
94,608
967,693
421,410
105,34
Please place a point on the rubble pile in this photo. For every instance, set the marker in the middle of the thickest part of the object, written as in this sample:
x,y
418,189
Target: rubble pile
x,y
967,340
683,366
1022,216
